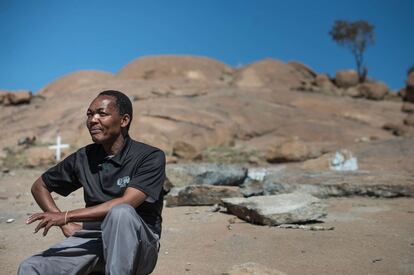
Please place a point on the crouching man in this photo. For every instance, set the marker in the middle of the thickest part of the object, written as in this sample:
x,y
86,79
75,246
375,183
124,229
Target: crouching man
x,y
122,183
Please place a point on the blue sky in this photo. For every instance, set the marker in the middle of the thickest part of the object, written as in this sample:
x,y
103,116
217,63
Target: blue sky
x,y
43,40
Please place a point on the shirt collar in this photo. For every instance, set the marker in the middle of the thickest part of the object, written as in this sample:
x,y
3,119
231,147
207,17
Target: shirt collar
x,y
119,158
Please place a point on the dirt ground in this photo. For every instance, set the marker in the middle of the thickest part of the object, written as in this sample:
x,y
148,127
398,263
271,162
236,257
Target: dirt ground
x,y
370,236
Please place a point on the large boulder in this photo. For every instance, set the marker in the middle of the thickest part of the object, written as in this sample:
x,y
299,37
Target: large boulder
x,y
192,68
409,89
408,107
3,95
346,78
205,174
325,85
409,120
373,90
292,151
409,94
277,209
194,195
269,73
410,78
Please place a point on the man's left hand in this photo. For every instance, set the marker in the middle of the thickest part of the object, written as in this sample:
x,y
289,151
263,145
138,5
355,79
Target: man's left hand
x,y
47,220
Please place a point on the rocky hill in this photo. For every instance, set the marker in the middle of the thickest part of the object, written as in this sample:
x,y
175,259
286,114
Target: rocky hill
x,y
196,108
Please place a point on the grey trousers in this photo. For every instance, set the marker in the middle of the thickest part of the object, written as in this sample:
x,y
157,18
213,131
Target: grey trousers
x,y
124,245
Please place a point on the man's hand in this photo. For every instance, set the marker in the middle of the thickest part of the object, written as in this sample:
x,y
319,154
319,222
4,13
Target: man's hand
x,y
47,220
70,228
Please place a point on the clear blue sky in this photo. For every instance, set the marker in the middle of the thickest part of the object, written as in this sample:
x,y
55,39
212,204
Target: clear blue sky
x,y
42,40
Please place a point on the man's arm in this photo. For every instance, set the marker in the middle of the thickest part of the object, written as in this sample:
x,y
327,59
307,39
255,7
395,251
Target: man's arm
x,y
131,196
42,196
45,201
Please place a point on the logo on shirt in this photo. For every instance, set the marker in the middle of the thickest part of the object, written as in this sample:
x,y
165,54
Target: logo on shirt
x,y
122,182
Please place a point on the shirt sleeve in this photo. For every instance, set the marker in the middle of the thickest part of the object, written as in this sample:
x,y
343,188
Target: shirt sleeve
x,y
61,178
150,176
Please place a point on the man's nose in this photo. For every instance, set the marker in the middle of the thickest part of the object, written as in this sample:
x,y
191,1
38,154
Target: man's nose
x,y
94,118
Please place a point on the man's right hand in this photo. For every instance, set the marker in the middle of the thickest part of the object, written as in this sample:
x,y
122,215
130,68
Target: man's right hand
x,y
70,228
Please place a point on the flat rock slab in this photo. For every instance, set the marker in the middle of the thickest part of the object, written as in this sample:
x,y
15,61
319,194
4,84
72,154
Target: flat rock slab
x,y
200,195
290,208
205,174
340,184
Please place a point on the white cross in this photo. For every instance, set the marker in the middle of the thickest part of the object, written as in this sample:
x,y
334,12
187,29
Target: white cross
x,y
58,146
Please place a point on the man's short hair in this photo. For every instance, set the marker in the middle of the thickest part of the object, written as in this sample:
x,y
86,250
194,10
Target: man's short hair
x,y
122,102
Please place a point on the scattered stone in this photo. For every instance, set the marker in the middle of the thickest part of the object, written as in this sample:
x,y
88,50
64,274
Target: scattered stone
x,y
346,78
259,173
232,220
277,209
26,140
366,139
343,161
205,174
215,208
252,187
167,186
251,268
395,129
292,151
200,195
305,227
10,220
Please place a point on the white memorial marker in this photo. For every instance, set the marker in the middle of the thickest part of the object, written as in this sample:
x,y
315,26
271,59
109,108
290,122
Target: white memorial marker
x,y
58,146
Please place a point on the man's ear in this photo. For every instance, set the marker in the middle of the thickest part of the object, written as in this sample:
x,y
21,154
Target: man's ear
x,y
126,119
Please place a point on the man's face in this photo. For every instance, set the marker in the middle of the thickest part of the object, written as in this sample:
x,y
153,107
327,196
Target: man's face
x,y
104,121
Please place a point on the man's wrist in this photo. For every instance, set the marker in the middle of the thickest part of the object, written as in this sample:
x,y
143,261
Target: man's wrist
x,y
66,217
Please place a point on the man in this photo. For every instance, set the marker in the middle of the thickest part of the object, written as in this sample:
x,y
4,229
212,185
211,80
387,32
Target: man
x,y
122,181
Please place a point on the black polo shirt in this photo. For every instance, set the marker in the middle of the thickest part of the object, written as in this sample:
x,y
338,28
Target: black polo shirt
x,y
103,177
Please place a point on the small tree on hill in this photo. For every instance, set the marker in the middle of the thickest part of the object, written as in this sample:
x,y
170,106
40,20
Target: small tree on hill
x,y
355,36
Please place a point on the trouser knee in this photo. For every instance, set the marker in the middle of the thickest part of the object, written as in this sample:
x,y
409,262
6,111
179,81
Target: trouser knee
x,y
120,213
27,267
